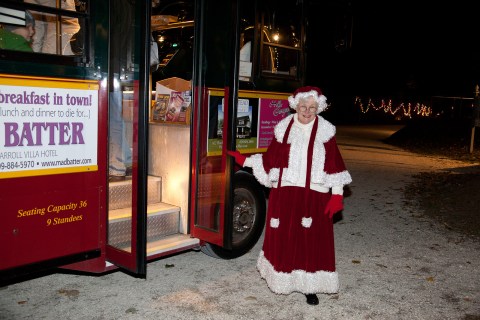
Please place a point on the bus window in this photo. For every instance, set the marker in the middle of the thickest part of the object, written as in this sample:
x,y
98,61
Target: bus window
x,y
172,29
247,40
281,45
59,27
17,29
270,40
53,33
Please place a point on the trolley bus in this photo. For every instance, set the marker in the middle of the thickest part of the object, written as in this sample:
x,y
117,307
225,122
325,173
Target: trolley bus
x,y
114,128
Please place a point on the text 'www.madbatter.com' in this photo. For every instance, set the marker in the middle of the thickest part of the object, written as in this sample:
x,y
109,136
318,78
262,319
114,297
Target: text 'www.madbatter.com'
x,y
31,164
66,162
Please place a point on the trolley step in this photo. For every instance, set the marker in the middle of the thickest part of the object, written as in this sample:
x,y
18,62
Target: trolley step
x,y
165,246
120,193
171,244
162,220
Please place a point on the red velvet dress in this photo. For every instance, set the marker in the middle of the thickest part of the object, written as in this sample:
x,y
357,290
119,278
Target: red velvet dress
x,y
298,252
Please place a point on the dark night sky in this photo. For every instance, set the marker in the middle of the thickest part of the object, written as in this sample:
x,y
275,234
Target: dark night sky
x,y
432,47
407,48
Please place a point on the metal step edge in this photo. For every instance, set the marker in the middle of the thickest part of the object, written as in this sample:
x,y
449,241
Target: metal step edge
x,y
173,243
153,209
120,223
120,192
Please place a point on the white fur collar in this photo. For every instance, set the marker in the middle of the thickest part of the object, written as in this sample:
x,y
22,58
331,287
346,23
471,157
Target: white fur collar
x,y
325,130
296,139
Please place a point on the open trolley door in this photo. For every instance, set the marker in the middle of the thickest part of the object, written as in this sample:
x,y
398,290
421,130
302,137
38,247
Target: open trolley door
x,y
114,142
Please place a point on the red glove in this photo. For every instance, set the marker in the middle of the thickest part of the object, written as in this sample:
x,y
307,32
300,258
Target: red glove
x,y
334,205
239,158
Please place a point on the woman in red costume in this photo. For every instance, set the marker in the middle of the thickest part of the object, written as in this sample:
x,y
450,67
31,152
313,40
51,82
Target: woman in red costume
x,y
306,173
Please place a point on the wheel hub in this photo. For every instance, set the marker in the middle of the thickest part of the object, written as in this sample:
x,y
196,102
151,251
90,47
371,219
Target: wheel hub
x,y
243,217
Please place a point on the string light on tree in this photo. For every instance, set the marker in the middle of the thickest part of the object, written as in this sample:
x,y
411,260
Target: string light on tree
x,y
401,109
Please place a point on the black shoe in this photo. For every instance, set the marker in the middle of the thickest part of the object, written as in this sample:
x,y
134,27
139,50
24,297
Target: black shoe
x,y
312,299
128,171
116,178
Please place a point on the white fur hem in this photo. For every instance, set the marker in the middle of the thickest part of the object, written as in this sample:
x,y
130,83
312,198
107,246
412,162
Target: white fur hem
x,y
298,280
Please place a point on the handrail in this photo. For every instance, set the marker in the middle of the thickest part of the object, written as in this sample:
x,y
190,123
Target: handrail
x,y
173,25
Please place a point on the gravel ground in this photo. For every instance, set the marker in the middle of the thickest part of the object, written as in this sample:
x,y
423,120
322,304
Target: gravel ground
x,y
394,262
450,197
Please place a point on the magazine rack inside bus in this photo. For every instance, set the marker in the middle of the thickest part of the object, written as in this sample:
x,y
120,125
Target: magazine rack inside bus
x,y
169,201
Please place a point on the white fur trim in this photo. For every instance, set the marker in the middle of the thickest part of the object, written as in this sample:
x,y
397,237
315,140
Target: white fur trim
x,y
320,100
291,174
274,175
281,127
325,132
274,222
259,172
306,222
337,179
298,280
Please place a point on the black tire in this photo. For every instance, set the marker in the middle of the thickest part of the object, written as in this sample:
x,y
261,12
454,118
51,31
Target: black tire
x,y
249,212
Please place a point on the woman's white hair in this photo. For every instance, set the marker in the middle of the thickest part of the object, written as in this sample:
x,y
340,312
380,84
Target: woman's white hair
x,y
306,92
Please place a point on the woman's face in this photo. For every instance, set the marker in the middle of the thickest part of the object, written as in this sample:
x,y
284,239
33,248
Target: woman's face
x,y
307,110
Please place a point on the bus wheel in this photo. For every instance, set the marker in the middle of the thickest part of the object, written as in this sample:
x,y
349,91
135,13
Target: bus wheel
x,y
249,211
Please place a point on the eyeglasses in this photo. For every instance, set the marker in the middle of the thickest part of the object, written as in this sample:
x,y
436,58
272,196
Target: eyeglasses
x,y
310,109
